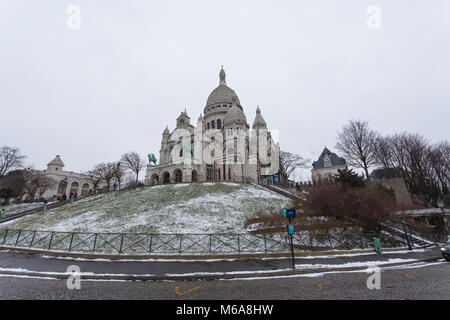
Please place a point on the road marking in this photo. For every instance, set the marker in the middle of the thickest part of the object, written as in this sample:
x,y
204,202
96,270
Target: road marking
x,y
404,274
177,288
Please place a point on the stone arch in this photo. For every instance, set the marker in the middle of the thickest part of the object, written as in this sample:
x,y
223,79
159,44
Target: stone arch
x,y
165,176
154,179
74,187
62,187
85,190
194,176
177,176
209,172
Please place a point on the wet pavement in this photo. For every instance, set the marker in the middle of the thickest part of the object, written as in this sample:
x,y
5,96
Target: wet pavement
x,y
33,262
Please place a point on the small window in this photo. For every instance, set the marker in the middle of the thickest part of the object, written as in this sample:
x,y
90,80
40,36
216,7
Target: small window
x,y
207,125
327,161
219,124
213,125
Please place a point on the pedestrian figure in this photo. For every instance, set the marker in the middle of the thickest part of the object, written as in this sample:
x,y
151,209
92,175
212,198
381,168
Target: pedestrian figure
x,y
2,212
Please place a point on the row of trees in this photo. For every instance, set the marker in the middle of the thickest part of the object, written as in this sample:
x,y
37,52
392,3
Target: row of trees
x,y
425,166
107,171
17,181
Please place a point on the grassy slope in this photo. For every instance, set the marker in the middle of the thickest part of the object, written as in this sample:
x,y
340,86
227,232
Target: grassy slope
x,y
187,208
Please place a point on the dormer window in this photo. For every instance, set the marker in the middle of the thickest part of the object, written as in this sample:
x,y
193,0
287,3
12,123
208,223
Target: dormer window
x,y
327,161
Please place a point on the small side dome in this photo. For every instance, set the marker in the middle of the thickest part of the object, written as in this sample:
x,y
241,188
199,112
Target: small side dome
x,y
235,116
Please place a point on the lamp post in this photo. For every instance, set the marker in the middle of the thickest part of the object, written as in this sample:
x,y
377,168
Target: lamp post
x,y
406,234
440,204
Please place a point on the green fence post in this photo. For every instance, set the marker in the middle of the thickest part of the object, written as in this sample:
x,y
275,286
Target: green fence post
x,y
377,244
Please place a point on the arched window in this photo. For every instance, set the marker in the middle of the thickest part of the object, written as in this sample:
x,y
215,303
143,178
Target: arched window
x,y
207,125
74,187
85,190
219,124
213,125
62,187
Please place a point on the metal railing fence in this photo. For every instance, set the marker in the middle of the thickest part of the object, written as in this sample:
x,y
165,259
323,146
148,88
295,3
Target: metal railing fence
x,y
178,244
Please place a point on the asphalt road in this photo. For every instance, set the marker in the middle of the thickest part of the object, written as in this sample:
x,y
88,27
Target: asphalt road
x,y
431,281
11,260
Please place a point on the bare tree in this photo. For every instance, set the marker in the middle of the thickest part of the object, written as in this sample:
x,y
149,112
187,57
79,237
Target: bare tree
x,y
133,162
106,171
357,142
383,152
119,172
37,183
45,183
439,161
15,181
96,178
10,158
424,167
289,162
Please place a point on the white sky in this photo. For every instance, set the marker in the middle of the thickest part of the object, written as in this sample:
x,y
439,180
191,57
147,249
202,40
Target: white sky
x,y
93,94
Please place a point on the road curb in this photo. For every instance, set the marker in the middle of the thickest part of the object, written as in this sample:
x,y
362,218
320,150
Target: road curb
x,y
115,257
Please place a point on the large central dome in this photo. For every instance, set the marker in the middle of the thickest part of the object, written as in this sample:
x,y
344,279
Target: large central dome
x,y
222,97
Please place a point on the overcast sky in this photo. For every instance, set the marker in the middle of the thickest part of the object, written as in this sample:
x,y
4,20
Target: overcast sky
x,y
112,86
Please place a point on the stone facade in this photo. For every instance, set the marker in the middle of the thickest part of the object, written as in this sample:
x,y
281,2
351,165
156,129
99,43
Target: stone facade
x,y
66,181
221,147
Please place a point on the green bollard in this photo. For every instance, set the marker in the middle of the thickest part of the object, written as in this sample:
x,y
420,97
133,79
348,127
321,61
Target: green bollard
x,y
377,244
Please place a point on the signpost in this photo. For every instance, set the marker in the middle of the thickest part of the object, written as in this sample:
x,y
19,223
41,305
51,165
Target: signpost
x,y
441,205
290,213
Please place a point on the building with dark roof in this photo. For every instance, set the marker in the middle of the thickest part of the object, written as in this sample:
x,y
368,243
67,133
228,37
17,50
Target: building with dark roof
x,y
327,166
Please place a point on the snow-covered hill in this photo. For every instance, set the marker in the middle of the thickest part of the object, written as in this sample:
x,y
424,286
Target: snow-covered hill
x,y
181,208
